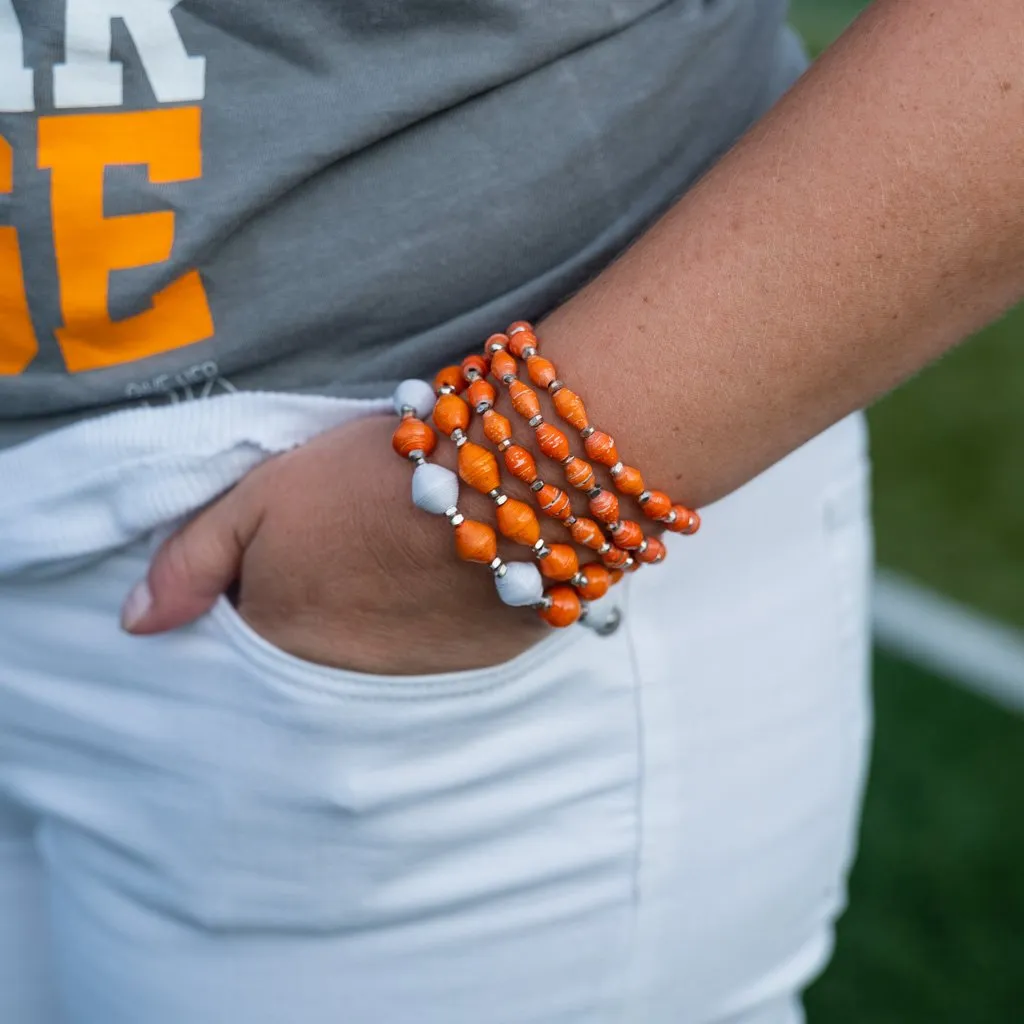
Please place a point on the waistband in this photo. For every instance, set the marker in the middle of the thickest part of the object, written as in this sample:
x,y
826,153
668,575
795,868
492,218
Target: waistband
x,y
99,484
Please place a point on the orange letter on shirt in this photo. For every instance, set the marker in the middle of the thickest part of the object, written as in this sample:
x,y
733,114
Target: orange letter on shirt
x,y
78,148
18,344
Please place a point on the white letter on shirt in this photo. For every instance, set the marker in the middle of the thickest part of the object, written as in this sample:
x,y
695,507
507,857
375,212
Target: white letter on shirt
x,y
15,79
89,78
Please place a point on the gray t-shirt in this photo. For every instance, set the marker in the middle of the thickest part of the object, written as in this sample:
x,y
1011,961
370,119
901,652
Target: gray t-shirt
x,y
329,195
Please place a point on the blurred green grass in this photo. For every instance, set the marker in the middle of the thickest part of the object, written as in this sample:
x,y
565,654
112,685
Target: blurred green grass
x,y
935,930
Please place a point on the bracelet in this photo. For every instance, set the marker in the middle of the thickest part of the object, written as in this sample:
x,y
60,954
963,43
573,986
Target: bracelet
x,y
521,340
459,392
435,489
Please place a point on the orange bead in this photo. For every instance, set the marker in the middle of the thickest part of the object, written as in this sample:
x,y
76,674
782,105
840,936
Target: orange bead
x,y
686,521
554,502
657,506
478,468
520,463
560,563
476,542
542,371
587,533
481,395
630,482
517,521
580,474
502,364
521,341
654,552
552,442
475,362
450,376
597,580
628,536
524,399
601,448
564,607
570,407
519,325
615,558
496,427
450,414
413,435
494,343
605,507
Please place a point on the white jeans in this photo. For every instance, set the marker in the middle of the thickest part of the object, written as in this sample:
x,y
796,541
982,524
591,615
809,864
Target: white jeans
x,y
649,827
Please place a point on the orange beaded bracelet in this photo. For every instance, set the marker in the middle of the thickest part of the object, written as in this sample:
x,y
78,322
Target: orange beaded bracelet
x,y
521,341
461,391
558,562
516,520
625,535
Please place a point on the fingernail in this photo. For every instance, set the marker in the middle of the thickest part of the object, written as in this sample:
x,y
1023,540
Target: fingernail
x,y
137,606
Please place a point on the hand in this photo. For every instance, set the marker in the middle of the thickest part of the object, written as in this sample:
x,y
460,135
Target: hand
x,y
334,565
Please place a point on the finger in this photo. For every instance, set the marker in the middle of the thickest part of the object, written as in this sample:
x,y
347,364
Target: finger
x,y
193,567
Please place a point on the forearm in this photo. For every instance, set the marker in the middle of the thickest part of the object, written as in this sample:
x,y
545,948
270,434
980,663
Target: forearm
x,y
867,224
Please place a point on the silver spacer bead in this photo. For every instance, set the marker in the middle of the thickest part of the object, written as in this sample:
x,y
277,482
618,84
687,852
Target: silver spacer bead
x,y
471,374
569,520
406,410
451,511
528,351
628,563
542,551
670,518
482,407
495,565
536,421
604,548
609,625
616,469
586,432
579,580
544,605
457,435
643,547
518,330
555,385
501,570
594,492
615,527
537,485
508,378
507,443
568,459
457,520
495,346
645,496
417,456
446,389
500,499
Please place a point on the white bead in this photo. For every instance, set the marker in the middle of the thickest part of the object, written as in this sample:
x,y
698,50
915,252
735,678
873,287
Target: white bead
x,y
434,488
416,394
521,585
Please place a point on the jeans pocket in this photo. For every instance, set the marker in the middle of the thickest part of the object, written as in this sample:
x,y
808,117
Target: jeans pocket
x,y
485,819
283,671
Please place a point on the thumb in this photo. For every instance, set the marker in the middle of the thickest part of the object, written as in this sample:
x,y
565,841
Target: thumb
x,y
193,567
